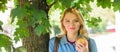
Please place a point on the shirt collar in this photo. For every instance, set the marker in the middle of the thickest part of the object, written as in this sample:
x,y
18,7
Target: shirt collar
x,y
64,39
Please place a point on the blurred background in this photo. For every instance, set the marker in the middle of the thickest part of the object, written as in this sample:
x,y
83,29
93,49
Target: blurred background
x,y
106,34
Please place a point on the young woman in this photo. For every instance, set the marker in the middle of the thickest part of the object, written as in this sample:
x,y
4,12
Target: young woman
x,y
73,28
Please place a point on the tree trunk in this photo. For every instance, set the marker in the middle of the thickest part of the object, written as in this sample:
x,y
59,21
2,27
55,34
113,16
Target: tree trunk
x,y
35,43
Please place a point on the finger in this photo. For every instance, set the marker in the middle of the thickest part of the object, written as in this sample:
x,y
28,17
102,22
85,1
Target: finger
x,y
80,44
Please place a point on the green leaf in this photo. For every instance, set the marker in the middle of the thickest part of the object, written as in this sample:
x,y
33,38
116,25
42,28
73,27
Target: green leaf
x,y
49,1
92,0
87,1
32,21
42,15
40,29
88,8
3,6
37,17
5,41
16,2
99,19
43,27
93,22
22,31
80,1
104,3
1,25
66,3
18,12
116,5
39,14
57,5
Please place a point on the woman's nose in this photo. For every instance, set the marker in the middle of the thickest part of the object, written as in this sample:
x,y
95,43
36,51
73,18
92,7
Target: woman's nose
x,y
72,23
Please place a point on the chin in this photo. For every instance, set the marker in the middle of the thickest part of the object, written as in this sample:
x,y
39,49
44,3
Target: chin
x,y
72,31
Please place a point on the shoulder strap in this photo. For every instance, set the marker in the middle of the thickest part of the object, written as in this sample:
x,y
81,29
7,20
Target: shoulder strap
x,y
56,44
89,44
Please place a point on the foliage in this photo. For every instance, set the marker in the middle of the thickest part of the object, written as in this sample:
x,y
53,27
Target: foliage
x,y
28,16
5,41
103,3
116,5
93,21
109,4
50,1
1,25
22,31
3,5
19,12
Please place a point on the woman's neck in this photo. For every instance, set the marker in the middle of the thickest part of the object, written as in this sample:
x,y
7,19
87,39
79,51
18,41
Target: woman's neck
x,y
72,36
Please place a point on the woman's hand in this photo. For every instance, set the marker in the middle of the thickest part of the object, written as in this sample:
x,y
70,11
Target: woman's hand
x,y
81,47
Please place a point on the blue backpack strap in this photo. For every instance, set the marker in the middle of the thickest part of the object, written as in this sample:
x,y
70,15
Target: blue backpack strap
x,y
89,44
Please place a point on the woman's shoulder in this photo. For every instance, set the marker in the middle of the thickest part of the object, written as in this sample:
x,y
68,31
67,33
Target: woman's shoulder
x,y
52,39
91,40
51,43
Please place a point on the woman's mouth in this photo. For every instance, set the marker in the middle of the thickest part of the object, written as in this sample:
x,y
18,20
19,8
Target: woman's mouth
x,y
72,28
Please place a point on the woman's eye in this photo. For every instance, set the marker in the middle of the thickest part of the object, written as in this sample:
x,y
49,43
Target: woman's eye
x,y
67,21
76,21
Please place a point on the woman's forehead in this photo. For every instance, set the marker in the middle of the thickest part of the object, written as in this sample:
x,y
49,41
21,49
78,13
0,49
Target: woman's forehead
x,y
70,16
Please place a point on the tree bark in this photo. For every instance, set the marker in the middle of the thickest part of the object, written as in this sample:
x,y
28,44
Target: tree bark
x,y
35,43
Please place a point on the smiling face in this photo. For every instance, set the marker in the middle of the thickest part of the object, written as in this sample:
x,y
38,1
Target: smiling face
x,y
71,23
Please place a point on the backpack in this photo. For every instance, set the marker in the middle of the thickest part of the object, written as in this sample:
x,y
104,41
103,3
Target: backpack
x,y
57,41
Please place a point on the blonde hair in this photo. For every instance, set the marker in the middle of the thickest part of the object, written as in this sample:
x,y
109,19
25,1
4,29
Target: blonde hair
x,y
82,31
